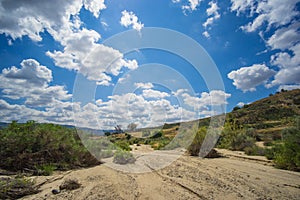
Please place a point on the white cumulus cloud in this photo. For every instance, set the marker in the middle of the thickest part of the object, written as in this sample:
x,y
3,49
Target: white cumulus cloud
x,y
213,14
81,52
150,93
278,19
247,78
31,82
144,85
288,87
94,6
285,38
21,18
130,19
192,5
273,12
205,100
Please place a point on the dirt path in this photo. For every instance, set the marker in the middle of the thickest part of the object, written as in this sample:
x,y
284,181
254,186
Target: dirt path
x,y
186,178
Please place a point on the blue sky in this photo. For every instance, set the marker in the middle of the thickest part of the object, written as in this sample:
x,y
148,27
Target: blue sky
x,y
58,65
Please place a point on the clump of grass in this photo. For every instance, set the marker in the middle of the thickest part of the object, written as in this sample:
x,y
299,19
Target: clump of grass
x,y
123,144
45,170
106,153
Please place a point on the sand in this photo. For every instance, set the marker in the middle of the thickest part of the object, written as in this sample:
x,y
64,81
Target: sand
x,y
235,176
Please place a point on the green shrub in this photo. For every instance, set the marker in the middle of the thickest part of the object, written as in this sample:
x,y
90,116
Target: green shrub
x,y
269,153
107,133
106,153
241,141
228,134
254,151
44,170
159,143
101,148
134,140
268,143
286,155
236,108
123,157
246,106
173,145
127,136
124,145
157,135
251,132
194,148
29,145
147,141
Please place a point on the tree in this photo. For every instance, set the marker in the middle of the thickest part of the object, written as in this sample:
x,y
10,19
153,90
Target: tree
x,y
132,126
118,129
107,133
236,108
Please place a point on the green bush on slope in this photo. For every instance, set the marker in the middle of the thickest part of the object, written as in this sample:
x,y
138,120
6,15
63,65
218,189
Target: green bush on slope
x,y
286,155
33,146
195,146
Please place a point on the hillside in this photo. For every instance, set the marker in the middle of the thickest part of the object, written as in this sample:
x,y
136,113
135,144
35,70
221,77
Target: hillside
x,y
275,107
268,116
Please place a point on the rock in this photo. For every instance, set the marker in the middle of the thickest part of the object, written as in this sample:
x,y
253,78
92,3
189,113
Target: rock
x,y
213,154
55,191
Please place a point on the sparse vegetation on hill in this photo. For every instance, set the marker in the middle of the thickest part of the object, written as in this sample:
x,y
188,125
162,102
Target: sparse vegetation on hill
x,y
278,108
271,120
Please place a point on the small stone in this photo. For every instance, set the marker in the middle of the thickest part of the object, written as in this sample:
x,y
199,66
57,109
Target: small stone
x,y
55,191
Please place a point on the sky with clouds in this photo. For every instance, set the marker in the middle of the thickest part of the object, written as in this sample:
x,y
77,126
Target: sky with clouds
x,y
57,66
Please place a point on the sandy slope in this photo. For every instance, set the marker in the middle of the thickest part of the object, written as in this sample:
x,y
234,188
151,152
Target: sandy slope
x,y
233,177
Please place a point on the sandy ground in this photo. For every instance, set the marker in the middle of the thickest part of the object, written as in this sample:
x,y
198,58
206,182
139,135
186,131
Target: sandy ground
x,y
232,177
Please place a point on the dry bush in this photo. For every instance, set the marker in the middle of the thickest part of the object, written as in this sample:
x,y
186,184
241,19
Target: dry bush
x,y
70,184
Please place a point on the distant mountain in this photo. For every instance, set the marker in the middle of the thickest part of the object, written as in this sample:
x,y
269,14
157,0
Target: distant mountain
x,y
89,130
3,125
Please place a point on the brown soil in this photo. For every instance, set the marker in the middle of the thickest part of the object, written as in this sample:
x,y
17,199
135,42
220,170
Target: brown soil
x,y
235,176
